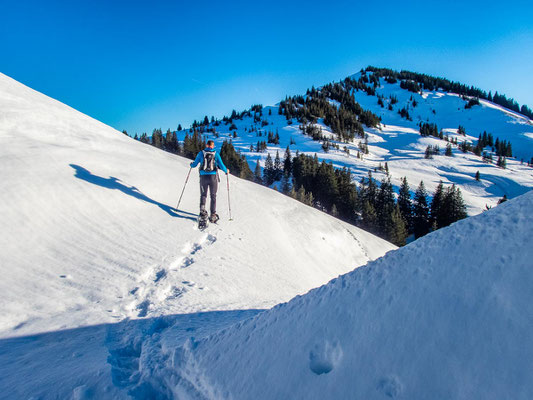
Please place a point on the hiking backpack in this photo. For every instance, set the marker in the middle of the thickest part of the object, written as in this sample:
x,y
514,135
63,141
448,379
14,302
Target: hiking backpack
x,y
209,164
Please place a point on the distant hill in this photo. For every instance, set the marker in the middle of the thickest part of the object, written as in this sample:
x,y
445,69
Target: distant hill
x,y
394,125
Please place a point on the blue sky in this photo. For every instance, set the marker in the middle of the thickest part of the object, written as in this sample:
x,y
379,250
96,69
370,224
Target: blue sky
x,y
140,65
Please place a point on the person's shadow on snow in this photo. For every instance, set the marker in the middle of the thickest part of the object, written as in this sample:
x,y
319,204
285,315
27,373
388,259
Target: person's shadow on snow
x,y
115,183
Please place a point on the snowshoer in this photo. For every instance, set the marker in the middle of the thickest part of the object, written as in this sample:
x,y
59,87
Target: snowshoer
x,y
210,162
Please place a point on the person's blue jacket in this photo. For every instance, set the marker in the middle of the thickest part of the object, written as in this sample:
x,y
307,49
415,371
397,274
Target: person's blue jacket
x,y
200,159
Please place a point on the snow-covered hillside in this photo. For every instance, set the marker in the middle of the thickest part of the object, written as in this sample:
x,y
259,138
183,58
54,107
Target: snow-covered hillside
x,y
399,144
89,236
110,293
90,230
446,317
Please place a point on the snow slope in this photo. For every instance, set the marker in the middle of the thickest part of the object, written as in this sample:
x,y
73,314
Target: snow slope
x,y
446,317
398,143
91,232
91,243
107,292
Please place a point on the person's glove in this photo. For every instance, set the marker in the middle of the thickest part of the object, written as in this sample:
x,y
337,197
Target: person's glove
x,y
227,171
191,164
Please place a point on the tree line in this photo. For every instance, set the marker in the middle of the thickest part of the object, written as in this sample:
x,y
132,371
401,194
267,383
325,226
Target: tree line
x,y
346,120
502,148
413,81
371,205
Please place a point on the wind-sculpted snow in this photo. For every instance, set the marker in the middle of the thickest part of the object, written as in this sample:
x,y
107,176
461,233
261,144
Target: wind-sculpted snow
x,y
446,317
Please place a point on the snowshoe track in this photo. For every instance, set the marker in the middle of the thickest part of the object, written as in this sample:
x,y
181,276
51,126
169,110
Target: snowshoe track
x,y
161,283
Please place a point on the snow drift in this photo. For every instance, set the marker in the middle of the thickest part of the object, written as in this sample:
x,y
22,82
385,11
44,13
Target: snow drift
x,y
447,317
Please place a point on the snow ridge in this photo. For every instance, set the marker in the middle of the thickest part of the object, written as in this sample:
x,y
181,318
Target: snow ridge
x,y
448,316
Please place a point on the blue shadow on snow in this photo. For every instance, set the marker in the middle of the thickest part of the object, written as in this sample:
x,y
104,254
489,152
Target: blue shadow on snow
x,y
97,354
116,184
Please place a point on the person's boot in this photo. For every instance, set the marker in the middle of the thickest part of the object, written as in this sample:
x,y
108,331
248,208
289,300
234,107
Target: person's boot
x,y
202,220
214,218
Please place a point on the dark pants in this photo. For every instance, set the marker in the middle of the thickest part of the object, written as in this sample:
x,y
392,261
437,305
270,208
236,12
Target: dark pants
x,y
211,182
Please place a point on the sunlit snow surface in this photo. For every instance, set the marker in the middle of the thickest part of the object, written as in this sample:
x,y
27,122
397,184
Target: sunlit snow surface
x,y
107,292
446,317
92,250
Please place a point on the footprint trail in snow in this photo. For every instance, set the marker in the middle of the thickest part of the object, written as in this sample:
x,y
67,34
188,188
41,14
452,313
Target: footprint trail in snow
x,y
163,283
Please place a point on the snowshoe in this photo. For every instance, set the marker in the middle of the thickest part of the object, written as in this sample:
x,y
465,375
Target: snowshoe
x,y
214,218
202,220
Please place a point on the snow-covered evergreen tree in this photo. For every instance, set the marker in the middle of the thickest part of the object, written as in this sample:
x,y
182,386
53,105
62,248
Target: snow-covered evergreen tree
x,y
421,220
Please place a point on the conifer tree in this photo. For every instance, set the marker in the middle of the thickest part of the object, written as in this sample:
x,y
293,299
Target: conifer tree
x,y
257,173
192,145
244,169
324,186
293,193
369,217
300,195
421,222
287,161
268,171
278,167
459,206
452,207
397,231
405,204
369,191
171,142
429,152
233,160
285,184
347,199
448,151
157,138
478,176
309,199
385,206
436,205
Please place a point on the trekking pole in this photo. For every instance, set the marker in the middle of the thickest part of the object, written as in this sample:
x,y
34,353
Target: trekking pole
x,y
185,184
229,204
